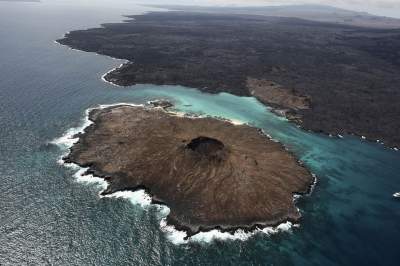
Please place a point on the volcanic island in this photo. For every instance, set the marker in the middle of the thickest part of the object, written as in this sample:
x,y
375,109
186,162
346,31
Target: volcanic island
x,y
211,173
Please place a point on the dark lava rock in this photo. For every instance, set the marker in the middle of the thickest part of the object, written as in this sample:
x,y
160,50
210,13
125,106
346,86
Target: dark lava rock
x,y
350,74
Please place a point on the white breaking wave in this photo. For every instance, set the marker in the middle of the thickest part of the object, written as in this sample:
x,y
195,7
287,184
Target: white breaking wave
x,y
314,184
82,177
236,122
103,78
69,138
66,141
138,197
179,237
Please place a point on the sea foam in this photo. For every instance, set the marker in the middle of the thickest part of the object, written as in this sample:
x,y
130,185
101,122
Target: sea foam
x,y
180,237
103,78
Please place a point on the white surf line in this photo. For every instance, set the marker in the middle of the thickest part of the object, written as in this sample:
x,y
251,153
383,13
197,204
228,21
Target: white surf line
x,y
140,197
103,77
178,237
68,47
314,184
123,18
271,138
234,122
124,61
66,141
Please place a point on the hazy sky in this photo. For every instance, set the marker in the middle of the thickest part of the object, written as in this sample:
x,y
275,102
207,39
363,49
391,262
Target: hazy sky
x,y
379,7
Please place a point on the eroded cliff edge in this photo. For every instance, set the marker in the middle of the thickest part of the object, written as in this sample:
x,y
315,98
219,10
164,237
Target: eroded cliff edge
x,y
211,173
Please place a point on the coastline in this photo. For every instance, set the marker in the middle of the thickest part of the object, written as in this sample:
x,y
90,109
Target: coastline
x,y
240,232
295,122
273,109
333,122
103,77
174,232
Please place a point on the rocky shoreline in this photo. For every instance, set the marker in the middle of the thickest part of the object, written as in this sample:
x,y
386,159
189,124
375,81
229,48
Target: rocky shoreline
x,y
201,181
351,83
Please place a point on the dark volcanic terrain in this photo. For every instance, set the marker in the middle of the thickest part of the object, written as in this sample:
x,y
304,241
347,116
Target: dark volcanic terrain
x,y
319,13
346,79
211,173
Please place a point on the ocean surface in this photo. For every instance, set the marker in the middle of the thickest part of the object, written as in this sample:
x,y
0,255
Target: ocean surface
x,y
49,216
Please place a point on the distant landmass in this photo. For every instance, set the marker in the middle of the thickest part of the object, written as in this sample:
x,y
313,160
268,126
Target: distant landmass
x,y
319,13
331,78
19,0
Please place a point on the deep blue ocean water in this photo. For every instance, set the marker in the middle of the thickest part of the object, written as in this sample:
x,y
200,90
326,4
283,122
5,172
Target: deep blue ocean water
x,y
47,217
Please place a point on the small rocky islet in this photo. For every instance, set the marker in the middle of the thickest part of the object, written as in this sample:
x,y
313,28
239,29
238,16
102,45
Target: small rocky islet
x,y
209,172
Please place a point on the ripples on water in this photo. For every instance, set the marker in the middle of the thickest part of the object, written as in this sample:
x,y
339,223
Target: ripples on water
x,y
47,217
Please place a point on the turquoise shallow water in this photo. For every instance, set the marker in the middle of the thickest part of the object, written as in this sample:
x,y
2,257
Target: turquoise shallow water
x,y
47,217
